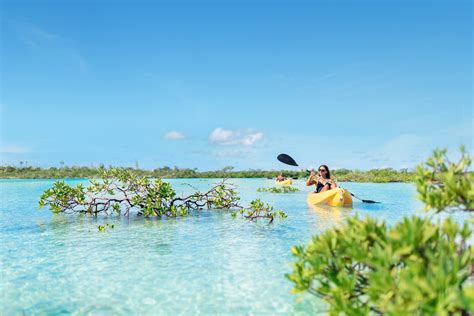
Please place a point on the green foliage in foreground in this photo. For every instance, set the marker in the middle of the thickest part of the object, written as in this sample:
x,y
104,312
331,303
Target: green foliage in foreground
x,y
442,184
121,191
376,175
416,267
281,189
363,267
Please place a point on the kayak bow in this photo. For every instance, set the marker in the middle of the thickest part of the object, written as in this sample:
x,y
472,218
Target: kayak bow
x,y
334,197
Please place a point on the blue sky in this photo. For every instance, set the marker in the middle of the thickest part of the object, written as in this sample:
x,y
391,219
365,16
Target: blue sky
x,y
208,84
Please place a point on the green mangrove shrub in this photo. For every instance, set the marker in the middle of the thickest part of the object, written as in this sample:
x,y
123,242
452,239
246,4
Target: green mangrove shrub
x,y
416,267
442,184
121,191
260,210
282,189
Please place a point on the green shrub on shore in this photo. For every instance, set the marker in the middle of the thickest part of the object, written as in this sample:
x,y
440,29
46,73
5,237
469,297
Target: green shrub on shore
x,y
340,175
374,175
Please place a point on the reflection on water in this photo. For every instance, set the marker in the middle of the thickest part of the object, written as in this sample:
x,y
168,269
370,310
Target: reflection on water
x,y
329,216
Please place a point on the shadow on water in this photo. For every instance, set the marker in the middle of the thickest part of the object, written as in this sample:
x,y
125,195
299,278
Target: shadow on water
x,y
369,206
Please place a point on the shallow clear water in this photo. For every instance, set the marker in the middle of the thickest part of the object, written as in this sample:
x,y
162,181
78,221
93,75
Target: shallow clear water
x,y
207,263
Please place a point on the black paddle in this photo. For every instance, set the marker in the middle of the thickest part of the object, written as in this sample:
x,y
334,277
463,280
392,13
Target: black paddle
x,y
286,159
364,201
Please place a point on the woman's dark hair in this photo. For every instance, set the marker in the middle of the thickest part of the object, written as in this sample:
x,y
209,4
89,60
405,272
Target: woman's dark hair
x,y
328,174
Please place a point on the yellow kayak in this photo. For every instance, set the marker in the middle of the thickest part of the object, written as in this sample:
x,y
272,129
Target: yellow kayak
x,y
334,197
286,182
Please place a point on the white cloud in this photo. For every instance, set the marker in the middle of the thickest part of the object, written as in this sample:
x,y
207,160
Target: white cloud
x,y
174,135
222,136
250,139
13,149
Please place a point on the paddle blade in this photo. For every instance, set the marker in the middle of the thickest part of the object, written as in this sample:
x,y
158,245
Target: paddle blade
x,y
369,201
287,159
364,201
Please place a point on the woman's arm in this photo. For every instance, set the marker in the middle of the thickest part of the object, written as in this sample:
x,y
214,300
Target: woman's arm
x,y
311,179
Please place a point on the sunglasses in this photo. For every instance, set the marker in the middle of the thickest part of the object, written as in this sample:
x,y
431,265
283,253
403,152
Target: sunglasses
x,y
322,170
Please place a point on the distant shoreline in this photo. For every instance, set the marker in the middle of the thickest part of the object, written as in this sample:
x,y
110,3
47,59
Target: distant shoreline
x,y
344,175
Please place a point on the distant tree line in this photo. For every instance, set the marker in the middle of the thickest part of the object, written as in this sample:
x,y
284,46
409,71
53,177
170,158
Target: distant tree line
x,y
345,175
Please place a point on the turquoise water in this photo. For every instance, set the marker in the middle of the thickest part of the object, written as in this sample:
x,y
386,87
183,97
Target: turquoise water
x,y
207,263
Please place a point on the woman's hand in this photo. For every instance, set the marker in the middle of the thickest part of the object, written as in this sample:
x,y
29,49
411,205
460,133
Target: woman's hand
x,y
312,179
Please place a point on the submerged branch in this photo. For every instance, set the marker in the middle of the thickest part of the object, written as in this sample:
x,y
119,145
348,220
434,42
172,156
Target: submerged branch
x,y
121,191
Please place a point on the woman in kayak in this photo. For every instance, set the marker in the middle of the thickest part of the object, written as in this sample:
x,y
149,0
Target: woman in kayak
x,y
322,180
280,178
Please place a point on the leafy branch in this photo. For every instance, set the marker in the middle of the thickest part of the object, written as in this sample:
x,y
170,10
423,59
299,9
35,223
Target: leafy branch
x,y
365,267
443,184
120,191
282,189
259,210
